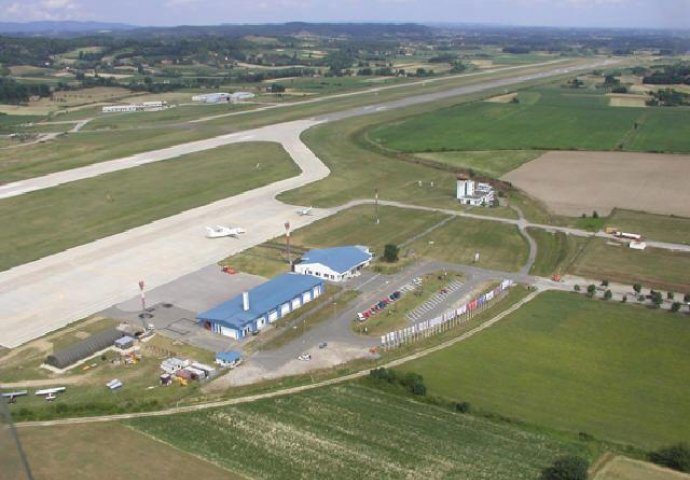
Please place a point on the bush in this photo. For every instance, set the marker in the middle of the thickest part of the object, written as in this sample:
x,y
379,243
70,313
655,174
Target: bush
x,y
675,307
566,468
637,287
463,407
676,457
591,290
390,253
608,294
604,283
670,295
576,288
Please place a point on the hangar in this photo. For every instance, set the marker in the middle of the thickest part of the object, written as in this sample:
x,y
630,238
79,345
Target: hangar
x,y
262,305
335,264
84,349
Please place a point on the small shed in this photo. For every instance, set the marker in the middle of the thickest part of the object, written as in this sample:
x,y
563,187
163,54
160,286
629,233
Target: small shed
x,y
124,343
228,359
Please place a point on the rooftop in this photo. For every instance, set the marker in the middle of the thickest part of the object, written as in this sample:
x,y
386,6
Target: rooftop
x,y
338,259
262,298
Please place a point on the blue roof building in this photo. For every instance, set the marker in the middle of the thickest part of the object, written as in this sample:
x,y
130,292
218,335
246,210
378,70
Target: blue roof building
x,y
335,264
228,358
262,305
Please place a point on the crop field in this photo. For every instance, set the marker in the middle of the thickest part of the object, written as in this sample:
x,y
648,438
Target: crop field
x,y
110,451
353,431
564,361
653,267
622,468
559,120
572,183
51,220
500,246
491,163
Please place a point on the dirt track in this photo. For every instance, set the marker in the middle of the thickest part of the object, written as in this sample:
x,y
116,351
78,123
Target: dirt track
x,y
573,183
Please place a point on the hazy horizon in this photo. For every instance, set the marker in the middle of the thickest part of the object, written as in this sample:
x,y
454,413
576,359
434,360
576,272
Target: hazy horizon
x,y
651,14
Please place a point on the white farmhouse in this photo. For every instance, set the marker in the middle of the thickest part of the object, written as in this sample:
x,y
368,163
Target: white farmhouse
x,y
334,264
474,193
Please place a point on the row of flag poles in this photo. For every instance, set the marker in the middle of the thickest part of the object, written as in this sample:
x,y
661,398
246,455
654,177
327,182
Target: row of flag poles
x,y
447,320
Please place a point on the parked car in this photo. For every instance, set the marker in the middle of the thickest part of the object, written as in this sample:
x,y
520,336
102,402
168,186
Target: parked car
x,y
305,357
323,344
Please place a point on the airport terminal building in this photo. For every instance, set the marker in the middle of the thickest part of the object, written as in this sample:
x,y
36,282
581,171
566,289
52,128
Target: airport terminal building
x,y
335,264
253,310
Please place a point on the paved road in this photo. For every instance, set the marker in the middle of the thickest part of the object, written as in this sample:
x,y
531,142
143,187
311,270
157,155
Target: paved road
x,y
286,391
49,293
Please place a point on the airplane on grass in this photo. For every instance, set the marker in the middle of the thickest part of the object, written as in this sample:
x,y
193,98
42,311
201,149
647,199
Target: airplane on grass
x,y
50,394
305,211
221,231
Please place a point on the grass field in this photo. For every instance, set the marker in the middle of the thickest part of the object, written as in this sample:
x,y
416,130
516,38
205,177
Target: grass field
x,y
555,251
85,148
652,267
110,451
501,246
622,468
51,220
567,362
353,431
489,163
91,147
657,227
561,119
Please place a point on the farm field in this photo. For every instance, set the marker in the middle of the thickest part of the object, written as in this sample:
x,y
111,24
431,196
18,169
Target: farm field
x,y
501,246
51,220
559,119
622,468
353,431
110,451
567,362
491,163
572,183
653,267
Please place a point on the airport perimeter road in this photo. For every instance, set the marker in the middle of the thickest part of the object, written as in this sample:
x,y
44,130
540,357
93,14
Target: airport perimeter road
x,y
49,293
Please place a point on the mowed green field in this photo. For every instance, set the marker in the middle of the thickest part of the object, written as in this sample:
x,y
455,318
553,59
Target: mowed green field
x,y
568,362
112,451
492,163
656,227
653,267
352,431
79,149
501,247
49,221
561,119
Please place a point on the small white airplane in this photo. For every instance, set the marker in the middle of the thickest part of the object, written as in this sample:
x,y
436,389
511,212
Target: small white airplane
x,y
221,231
50,394
305,211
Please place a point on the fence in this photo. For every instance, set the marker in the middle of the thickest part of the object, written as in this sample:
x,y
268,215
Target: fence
x,y
447,320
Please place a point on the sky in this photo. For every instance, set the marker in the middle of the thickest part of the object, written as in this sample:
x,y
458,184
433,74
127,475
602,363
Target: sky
x,y
559,13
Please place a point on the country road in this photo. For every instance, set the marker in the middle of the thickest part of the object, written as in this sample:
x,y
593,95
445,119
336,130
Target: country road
x,y
47,294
